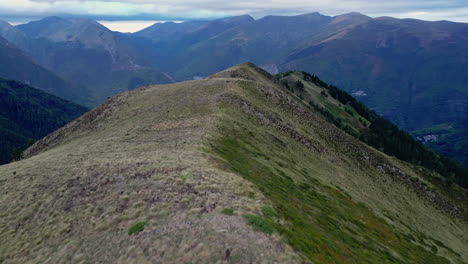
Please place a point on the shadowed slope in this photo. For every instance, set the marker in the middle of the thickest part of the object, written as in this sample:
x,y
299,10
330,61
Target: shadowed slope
x,y
185,162
28,114
18,66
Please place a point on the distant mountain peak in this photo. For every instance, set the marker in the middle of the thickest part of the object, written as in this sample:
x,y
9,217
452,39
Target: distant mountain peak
x,y
11,33
3,23
240,18
307,15
86,31
352,19
52,19
311,14
353,14
60,29
192,30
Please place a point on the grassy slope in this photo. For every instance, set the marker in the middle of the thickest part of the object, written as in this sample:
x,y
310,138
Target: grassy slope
x,y
339,201
313,93
171,156
369,128
137,158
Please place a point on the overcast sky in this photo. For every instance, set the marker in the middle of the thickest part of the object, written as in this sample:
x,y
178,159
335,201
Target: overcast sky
x,y
150,10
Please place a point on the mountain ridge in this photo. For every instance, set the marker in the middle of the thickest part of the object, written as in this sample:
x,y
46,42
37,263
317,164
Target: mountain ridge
x,y
404,69
228,168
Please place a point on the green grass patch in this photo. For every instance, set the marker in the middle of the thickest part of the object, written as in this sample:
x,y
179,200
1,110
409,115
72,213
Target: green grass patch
x,y
268,212
137,228
322,222
260,223
228,211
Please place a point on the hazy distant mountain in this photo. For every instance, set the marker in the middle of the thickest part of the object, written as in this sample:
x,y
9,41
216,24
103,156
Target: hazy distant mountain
x,y
16,65
414,72
169,31
28,114
87,35
264,41
87,53
167,43
13,34
411,71
191,31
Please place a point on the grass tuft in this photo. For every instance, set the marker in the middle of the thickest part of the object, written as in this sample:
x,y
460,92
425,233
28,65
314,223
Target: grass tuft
x,y
137,228
228,211
260,223
269,213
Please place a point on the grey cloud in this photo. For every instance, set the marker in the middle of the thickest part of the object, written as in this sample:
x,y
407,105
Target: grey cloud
x,y
424,9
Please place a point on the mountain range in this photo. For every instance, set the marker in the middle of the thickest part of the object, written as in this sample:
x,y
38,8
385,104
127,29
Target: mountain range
x,y
237,167
87,54
410,71
18,66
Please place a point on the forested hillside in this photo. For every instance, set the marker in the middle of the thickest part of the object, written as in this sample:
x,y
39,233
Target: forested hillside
x,y
28,114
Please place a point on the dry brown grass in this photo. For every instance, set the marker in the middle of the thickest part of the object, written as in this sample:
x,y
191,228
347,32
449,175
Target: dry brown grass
x,y
136,158
143,156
